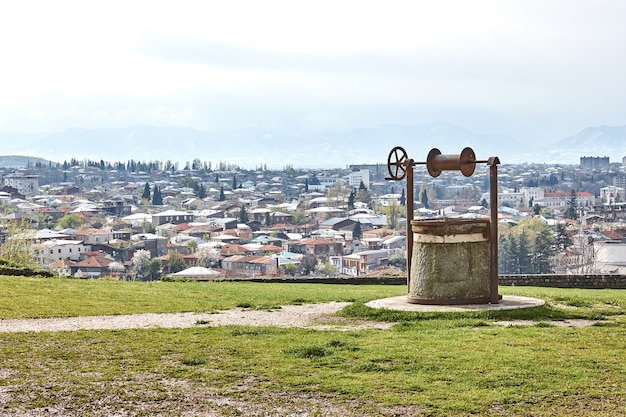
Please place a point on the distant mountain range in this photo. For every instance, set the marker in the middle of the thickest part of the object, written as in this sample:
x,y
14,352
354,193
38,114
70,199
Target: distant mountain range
x,y
253,147
593,141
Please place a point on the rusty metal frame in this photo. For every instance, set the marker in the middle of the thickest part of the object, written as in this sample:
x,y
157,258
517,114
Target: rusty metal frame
x,y
400,166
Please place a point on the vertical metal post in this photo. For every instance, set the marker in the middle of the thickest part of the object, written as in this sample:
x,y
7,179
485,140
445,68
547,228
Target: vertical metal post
x,y
494,297
409,216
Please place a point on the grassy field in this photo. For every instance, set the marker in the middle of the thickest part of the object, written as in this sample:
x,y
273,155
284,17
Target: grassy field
x,y
426,365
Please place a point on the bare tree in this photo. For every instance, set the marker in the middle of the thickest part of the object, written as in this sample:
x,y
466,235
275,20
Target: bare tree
x,y
208,257
140,262
337,194
15,242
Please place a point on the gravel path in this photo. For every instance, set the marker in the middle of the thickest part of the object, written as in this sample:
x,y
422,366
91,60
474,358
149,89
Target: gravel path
x,y
316,316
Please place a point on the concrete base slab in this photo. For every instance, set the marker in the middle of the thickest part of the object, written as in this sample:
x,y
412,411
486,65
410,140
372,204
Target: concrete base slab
x,y
508,302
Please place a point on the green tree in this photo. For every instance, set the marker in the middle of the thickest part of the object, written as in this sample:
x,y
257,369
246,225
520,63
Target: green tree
x,y
222,196
423,195
362,194
327,269
356,231
571,212
393,213
234,182
299,218
290,269
243,215
403,198
154,269
523,253
148,227
514,252
526,248
308,264
268,219
70,221
157,198
175,263
563,240
337,194
540,262
398,260
351,200
192,245
146,192
201,191
504,254
15,246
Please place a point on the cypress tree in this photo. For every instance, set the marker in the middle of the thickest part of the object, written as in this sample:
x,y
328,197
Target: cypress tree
x,y
157,198
146,192
201,191
351,200
243,216
356,231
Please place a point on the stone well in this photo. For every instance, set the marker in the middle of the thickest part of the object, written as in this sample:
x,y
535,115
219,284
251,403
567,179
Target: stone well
x,y
450,262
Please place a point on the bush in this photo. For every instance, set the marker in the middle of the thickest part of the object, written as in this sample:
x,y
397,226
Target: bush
x,y
12,269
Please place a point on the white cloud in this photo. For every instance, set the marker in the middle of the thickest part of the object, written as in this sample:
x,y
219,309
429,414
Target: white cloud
x,y
522,66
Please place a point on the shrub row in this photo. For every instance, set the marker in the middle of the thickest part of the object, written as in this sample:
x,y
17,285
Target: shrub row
x,y
10,268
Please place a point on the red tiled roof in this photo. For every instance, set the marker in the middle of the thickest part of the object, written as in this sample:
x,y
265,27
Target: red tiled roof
x,y
231,249
181,227
271,248
94,262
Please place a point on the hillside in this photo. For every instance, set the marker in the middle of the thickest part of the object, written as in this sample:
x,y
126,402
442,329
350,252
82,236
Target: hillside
x,y
275,148
255,146
19,161
593,141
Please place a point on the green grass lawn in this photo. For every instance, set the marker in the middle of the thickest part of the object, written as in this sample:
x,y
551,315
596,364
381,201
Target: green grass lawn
x,y
428,364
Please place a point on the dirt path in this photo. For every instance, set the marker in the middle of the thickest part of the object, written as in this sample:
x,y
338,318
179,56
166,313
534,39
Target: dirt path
x,y
317,316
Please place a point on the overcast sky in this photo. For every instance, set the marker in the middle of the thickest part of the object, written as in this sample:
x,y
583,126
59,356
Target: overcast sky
x,y
535,70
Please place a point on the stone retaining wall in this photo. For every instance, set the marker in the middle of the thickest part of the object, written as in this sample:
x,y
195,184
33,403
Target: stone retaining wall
x,y
566,281
548,280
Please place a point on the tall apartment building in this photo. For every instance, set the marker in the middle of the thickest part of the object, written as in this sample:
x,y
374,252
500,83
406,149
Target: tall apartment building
x,y
594,162
25,184
620,181
355,178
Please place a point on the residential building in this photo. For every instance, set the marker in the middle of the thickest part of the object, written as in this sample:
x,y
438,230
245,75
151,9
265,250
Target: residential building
x,y
386,200
562,199
5,198
594,162
321,248
25,184
250,265
92,267
611,194
356,178
93,236
60,249
172,216
610,256
620,180
362,263
509,198
532,194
